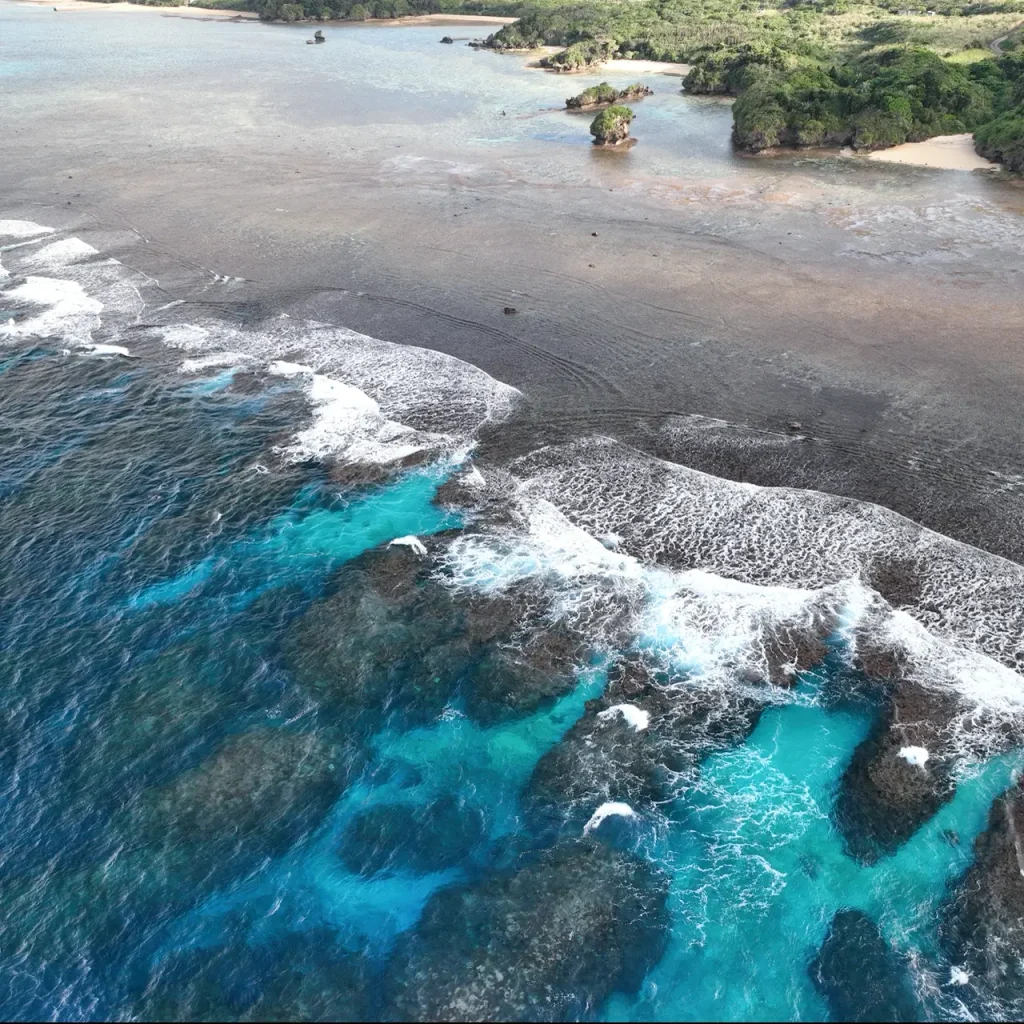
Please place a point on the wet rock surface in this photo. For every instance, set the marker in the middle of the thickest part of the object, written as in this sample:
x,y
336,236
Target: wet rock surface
x,y
549,941
982,923
886,792
416,839
605,757
392,636
858,975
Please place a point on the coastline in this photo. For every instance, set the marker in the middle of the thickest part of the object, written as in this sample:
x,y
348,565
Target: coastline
x,y
199,13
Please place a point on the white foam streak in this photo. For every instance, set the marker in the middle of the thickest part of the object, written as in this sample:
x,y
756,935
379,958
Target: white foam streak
x,y
607,810
414,543
634,716
22,229
915,755
213,360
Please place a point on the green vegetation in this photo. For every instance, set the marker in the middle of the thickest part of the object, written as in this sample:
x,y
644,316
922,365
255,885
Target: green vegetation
x,y
805,72
605,95
883,98
611,126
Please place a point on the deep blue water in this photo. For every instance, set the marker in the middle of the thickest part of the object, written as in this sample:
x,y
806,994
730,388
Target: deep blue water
x,y
195,825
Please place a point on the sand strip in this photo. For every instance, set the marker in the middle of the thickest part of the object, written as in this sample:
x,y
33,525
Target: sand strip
x,y
948,152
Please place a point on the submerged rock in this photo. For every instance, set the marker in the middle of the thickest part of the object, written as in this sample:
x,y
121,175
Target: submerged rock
x,y
900,775
634,742
299,976
858,975
982,923
394,635
549,941
254,796
404,837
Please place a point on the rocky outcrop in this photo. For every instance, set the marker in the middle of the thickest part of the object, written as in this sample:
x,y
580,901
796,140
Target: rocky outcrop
x,y
859,977
581,56
447,39
549,941
982,924
634,742
611,126
604,95
901,774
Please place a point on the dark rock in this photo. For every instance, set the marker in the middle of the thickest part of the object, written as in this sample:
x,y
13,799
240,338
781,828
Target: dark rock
x,y
447,39
884,798
791,647
982,923
509,310
858,975
392,636
604,758
898,580
549,941
405,837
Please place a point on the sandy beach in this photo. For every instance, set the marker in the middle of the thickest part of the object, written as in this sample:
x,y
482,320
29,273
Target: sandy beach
x,y
945,152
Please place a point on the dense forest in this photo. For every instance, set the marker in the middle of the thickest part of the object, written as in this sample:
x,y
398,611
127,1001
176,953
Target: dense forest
x,y
805,72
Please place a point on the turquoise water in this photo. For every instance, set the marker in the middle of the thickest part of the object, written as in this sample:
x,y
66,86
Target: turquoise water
x,y
756,869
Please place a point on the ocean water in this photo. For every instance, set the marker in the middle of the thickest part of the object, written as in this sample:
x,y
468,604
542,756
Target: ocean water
x,y
280,712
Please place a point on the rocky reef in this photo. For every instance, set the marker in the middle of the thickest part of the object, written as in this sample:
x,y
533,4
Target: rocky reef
x,y
611,126
982,922
900,775
634,742
605,95
394,636
548,941
858,975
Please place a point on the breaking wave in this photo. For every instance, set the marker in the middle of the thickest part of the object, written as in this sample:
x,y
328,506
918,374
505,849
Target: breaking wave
x,y
703,702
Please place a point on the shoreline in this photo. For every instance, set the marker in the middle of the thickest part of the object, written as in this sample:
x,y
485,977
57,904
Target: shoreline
x,y
122,6
199,13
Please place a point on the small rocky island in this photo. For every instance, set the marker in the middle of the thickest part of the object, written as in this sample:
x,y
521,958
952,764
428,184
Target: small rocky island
x,y
605,95
581,56
611,127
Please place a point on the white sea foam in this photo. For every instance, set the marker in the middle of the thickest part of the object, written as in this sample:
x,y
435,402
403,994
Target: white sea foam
x,y
214,359
607,810
915,755
417,546
60,254
64,309
22,229
634,716
281,368
97,349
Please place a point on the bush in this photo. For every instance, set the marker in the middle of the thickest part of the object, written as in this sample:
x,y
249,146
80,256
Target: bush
x,y
611,125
